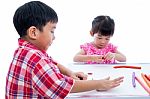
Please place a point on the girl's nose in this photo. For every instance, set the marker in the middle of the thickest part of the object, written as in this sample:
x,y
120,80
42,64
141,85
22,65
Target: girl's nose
x,y
103,41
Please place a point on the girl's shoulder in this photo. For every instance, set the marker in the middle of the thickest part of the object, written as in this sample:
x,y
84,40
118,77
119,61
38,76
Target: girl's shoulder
x,y
87,45
111,46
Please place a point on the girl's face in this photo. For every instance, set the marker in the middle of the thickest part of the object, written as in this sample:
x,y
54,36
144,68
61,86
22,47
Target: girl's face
x,y
101,41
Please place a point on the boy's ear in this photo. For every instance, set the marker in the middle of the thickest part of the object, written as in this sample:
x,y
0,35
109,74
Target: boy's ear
x,y
32,32
92,34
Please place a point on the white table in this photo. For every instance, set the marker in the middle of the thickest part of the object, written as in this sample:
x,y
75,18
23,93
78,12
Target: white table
x,y
125,90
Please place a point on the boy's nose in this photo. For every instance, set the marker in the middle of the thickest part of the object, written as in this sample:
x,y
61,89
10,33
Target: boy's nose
x,y
53,37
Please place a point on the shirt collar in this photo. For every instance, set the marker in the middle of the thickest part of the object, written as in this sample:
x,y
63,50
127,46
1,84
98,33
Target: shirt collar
x,y
24,43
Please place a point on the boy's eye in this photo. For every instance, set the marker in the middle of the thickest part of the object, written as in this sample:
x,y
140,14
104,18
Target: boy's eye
x,y
52,32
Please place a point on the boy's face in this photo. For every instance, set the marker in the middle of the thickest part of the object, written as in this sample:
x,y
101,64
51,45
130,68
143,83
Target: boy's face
x,y
45,37
101,41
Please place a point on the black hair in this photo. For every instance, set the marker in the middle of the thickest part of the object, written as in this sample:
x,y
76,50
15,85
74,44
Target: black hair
x,y
33,13
104,25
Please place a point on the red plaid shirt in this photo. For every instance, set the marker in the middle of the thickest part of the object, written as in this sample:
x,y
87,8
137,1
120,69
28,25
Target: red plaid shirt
x,y
34,75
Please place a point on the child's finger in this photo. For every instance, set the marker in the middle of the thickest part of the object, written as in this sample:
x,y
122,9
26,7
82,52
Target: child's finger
x,y
120,79
82,76
106,78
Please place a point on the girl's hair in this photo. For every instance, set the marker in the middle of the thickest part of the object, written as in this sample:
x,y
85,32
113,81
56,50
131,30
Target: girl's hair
x,y
34,13
104,25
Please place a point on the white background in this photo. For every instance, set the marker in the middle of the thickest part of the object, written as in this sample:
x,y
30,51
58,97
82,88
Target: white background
x,y
131,35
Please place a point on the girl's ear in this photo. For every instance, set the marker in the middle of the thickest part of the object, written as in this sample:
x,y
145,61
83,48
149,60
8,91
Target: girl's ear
x,y
32,32
92,34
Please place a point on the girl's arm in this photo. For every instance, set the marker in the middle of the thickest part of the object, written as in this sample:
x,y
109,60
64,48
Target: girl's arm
x,y
82,57
120,57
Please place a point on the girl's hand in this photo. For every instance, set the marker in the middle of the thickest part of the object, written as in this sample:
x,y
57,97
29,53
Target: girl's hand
x,y
97,58
109,56
107,84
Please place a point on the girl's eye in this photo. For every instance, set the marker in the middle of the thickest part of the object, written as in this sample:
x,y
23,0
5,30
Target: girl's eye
x,y
99,38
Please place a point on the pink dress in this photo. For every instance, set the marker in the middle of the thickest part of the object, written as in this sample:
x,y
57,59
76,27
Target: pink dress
x,y
91,50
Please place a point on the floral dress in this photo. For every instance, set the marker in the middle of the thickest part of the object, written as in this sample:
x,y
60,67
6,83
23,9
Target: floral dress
x,y
90,49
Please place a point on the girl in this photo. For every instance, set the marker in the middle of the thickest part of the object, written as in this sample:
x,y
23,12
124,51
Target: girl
x,y
100,50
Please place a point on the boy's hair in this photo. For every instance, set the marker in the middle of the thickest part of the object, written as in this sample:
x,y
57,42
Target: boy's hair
x,y
104,25
34,13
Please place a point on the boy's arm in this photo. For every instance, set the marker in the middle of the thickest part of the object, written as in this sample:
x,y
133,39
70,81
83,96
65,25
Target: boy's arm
x,y
68,72
64,70
49,82
100,85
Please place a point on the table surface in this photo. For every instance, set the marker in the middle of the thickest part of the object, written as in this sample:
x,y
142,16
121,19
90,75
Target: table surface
x,y
125,90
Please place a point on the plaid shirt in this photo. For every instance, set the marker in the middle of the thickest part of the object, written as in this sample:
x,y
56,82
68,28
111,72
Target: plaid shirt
x,y
34,75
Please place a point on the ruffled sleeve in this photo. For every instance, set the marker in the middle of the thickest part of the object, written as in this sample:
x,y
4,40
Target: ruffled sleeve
x,y
84,47
112,48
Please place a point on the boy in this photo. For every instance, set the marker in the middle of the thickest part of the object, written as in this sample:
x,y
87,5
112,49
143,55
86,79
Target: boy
x,y
32,73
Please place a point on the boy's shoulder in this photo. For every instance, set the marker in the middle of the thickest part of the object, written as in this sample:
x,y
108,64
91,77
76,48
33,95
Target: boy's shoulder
x,y
29,49
28,52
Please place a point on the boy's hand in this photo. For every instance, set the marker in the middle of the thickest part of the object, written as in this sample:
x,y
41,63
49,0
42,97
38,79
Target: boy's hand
x,y
79,76
107,84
